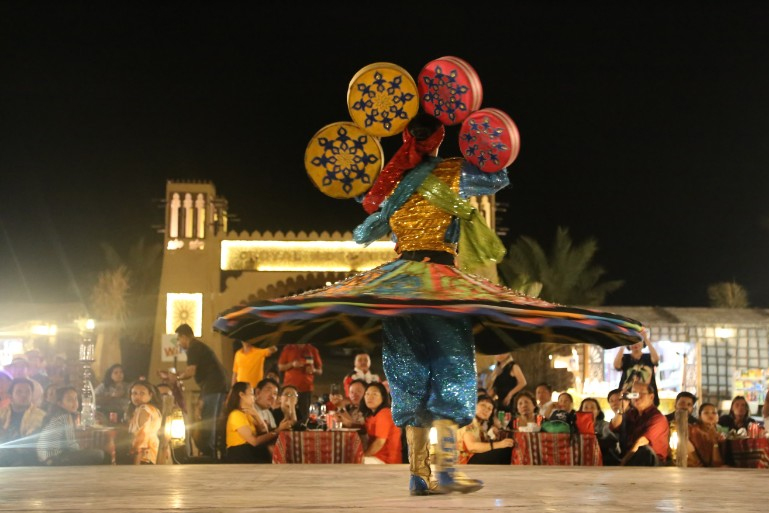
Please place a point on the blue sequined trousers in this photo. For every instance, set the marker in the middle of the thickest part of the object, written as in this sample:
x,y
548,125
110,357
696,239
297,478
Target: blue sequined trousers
x,y
429,362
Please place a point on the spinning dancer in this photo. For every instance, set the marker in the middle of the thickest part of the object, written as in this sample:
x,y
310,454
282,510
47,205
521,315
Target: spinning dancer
x,y
429,308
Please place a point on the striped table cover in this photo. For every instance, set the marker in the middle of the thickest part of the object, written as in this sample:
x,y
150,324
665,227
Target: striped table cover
x,y
556,449
103,438
318,447
747,452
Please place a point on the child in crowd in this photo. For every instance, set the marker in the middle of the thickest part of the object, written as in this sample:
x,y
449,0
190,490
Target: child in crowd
x,y
144,412
57,444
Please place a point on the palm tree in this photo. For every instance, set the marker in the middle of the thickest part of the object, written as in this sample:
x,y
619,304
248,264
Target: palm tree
x,y
727,294
567,274
108,304
128,309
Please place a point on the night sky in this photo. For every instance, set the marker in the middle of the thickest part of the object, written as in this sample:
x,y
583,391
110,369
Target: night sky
x,y
644,126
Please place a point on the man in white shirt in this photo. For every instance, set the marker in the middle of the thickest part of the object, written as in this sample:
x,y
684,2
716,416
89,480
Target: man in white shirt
x,y
544,394
266,392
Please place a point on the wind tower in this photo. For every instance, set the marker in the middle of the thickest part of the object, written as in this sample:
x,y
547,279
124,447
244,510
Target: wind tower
x,y
195,224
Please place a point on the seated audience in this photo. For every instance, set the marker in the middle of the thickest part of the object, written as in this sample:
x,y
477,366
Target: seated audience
x,y
565,403
5,388
352,415
265,395
643,431
614,398
59,370
473,441
765,412
608,441
361,370
545,404
145,421
684,401
37,367
336,400
525,409
703,448
57,444
248,437
49,398
738,416
384,437
20,423
19,368
112,394
288,399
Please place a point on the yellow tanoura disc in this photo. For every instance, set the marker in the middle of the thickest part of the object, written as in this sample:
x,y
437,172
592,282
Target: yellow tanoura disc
x,y
342,160
382,99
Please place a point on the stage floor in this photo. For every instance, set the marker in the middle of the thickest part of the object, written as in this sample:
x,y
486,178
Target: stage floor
x,y
373,488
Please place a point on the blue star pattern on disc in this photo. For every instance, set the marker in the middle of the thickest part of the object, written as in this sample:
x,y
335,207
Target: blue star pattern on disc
x,y
449,89
382,99
342,160
489,140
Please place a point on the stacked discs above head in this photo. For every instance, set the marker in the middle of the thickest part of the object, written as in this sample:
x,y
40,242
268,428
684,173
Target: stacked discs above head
x,y
342,160
382,99
489,140
449,90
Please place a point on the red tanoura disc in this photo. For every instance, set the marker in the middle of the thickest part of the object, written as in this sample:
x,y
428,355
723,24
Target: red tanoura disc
x,y
449,89
489,140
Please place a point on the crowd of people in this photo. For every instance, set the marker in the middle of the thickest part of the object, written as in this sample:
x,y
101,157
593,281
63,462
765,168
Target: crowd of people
x,y
239,420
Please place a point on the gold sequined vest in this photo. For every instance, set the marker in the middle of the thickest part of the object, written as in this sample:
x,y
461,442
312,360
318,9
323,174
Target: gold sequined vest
x,y
420,225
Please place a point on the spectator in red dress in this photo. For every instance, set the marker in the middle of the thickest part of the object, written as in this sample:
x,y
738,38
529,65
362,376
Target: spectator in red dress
x,y
643,430
300,363
383,435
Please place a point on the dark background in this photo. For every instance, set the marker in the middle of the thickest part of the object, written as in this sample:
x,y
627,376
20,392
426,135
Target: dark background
x,y
643,124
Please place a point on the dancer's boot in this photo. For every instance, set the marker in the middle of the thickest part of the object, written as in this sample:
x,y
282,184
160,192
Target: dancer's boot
x,y
418,439
449,479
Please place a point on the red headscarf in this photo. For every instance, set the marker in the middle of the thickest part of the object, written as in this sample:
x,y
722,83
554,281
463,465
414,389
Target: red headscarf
x,y
408,156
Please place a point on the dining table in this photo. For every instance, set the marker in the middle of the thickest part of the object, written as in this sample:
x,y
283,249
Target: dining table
x,y
563,449
746,452
98,437
318,446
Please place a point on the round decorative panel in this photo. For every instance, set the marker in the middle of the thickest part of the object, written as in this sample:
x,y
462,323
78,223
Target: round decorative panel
x,y
489,139
382,99
342,160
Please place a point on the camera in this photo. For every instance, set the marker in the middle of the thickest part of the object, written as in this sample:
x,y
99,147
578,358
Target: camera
x,y
631,395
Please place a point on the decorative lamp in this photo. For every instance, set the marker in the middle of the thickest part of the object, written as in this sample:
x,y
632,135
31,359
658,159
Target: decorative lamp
x,y
87,357
176,430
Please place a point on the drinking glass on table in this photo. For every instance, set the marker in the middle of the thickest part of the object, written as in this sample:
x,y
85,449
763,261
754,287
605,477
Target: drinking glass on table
x,y
312,418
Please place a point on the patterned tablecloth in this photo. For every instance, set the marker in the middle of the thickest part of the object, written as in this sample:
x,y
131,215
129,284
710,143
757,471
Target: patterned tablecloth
x,y
98,438
556,449
747,452
318,447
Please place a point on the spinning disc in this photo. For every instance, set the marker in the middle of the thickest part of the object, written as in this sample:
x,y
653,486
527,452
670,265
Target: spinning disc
x,y
489,140
449,90
382,99
342,160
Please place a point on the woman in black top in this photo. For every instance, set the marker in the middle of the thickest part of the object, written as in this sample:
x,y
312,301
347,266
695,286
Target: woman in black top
x,y
506,381
738,416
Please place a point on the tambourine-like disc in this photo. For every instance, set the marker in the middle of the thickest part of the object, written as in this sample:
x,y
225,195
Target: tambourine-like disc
x,y
342,160
489,140
382,99
449,89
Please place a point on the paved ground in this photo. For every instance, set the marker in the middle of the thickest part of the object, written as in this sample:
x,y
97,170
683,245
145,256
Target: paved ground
x,y
375,488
